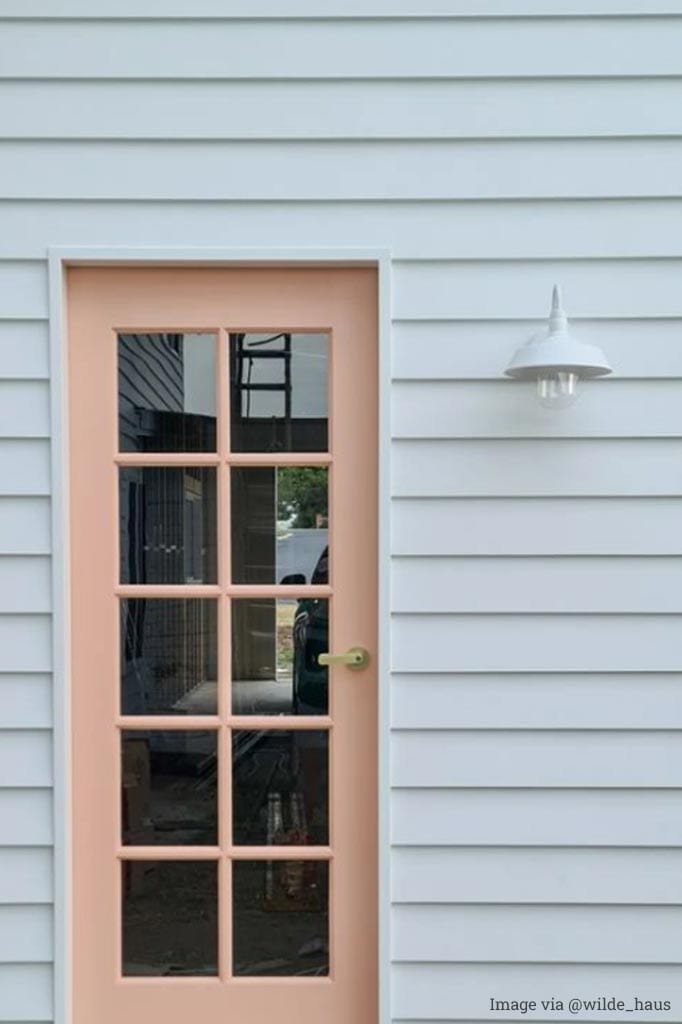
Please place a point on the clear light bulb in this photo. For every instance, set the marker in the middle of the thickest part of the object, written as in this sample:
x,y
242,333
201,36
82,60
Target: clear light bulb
x,y
557,389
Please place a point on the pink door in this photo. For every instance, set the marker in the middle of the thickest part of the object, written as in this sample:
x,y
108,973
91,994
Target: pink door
x,y
223,466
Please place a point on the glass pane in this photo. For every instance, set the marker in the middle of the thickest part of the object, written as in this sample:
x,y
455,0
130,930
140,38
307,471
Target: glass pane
x,y
169,788
167,392
169,657
170,918
280,918
280,525
280,788
167,525
275,650
279,388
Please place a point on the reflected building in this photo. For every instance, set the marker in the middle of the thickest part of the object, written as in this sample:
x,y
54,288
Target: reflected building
x,y
168,521
278,402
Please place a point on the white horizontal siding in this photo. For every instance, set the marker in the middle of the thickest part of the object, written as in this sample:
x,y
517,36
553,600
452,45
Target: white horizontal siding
x,y
437,991
530,526
25,817
354,9
342,49
534,817
24,468
549,934
23,351
25,758
25,934
25,584
529,643
532,468
26,700
24,526
24,408
523,875
27,993
442,409
26,876
23,290
603,288
556,700
547,584
362,109
452,230
453,350
371,170
26,643
549,759
468,350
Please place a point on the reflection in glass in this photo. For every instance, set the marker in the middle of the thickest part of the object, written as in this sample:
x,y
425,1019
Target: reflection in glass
x,y
170,918
279,387
275,650
280,918
169,788
279,523
280,787
167,392
167,525
169,656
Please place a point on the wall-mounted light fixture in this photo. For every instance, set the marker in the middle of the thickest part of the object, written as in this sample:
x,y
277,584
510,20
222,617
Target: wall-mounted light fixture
x,y
557,360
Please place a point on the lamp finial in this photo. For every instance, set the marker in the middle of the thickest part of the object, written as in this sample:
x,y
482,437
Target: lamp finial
x,y
557,317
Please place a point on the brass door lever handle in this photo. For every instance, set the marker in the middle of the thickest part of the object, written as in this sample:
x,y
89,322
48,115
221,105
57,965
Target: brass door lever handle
x,y
355,658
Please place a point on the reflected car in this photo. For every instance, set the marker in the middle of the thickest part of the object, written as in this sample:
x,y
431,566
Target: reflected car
x,y
311,638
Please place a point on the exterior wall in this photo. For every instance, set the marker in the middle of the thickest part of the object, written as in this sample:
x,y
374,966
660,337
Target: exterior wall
x,y
537,558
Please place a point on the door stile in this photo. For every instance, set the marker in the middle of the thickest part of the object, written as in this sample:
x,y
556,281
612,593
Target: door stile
x,y
225,942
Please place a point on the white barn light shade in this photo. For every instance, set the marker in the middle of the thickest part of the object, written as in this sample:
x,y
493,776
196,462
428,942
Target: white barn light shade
x,y
557,360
